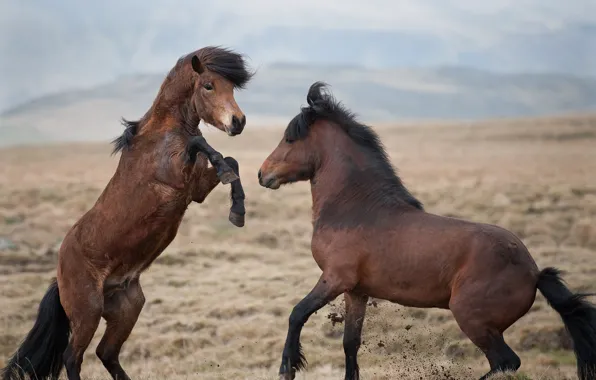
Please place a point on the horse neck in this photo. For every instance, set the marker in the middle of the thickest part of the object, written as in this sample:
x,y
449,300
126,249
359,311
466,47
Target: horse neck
x,y
350,181
324,186
337,166
172,106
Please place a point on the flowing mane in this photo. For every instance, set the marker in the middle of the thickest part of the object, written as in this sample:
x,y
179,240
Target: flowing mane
x,y
323,105
226,63
177,87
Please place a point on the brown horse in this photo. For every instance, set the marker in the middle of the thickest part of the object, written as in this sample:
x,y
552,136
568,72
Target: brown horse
x,y
372,238
137,216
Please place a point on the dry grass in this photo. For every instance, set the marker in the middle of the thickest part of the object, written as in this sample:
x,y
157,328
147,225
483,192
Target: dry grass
x,y
219,298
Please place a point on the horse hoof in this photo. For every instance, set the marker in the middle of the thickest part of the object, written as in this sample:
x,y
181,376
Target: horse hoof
x,y
228,177
291,375
236,219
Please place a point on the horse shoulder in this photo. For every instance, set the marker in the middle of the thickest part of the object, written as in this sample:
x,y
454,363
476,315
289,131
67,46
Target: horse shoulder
x,y
171,165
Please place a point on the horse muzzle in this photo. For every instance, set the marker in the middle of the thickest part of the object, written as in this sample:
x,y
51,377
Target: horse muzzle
x,y
269,182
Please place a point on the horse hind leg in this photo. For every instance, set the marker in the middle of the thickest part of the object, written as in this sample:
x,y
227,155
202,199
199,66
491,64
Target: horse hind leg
x,y
500,356
84,312
490,341
483,320
121,312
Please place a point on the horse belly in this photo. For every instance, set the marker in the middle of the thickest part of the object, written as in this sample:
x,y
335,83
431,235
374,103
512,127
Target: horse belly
x,y
155,247
133,267
386,267
144,250
410,296
407,286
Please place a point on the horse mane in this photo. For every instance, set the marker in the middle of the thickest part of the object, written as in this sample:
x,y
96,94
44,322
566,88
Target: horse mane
x,y
125,140
322,105
225,62
222,61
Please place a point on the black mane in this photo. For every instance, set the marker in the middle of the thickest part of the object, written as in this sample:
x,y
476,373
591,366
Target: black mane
x,y
322,105
125,140
226,63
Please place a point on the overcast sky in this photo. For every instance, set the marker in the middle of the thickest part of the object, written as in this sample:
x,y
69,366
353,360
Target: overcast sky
x,y
48,46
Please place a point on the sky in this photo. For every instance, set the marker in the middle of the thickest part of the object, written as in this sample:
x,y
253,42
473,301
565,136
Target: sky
x,y
50,46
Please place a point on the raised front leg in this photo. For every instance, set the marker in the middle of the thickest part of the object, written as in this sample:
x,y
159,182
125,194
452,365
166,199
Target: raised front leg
x,y
199,144
326,290
207,182
237,211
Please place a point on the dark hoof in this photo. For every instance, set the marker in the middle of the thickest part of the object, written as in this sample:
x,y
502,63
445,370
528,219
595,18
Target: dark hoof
x,y
288,376
228,177
236,219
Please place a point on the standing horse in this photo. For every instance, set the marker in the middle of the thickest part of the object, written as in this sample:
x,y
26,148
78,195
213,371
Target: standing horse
x,y
137,216
372,238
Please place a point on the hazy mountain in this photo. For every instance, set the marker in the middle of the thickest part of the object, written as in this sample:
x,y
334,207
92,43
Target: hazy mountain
x,y
279,90
51,46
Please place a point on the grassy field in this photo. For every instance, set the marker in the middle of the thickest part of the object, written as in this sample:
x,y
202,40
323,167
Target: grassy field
x,y
219,298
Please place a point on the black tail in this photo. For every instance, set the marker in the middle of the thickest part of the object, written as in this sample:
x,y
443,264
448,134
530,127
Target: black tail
x,y
579,317
40,354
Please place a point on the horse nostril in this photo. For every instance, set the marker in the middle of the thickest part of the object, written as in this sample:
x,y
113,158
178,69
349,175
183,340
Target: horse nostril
x,y
237,124
259,174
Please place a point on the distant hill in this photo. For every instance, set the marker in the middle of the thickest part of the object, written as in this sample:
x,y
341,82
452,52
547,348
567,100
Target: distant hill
x,y
86,43
279,90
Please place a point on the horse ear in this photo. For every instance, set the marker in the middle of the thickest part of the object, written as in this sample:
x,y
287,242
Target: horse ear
x,y
197,65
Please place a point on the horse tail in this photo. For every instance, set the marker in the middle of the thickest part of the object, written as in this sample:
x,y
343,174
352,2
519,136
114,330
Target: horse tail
x,y
40,354
579,317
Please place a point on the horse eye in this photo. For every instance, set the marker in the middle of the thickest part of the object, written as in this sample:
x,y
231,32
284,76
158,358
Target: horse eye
x,y
208,86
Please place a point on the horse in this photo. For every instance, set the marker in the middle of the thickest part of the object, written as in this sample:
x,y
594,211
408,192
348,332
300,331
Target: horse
x,y
373,238
163,167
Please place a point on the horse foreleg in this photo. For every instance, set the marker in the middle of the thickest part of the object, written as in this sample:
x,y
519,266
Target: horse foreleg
x,y
327,289
198,144
237,210
209,179
206,182
121,311
355,311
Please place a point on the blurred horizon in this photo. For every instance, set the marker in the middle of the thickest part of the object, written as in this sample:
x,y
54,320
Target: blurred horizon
x,y
66,45
387,60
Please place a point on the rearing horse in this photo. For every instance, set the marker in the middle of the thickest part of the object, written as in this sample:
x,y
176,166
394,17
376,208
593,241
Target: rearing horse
x,y
372,238
137,216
